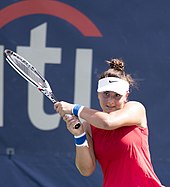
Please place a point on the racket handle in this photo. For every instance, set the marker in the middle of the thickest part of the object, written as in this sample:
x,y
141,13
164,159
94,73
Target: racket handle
x,y
77,125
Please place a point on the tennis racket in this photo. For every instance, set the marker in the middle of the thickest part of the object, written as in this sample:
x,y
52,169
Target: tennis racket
x,y
30,73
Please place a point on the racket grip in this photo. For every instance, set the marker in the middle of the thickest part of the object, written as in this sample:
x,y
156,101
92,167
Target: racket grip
x,y
76,126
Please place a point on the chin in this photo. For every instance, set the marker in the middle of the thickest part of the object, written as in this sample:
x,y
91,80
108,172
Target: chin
x,y
110,110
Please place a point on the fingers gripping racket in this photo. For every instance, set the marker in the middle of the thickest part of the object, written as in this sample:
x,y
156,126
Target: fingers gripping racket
x,y
30,73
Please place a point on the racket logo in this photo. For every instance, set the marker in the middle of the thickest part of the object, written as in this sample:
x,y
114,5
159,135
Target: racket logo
x,y
39,86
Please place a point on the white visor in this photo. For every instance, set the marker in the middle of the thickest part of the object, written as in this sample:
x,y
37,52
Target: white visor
x,y
113,84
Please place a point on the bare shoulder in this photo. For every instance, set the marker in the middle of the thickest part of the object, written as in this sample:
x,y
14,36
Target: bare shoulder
x,y
135,105
139,110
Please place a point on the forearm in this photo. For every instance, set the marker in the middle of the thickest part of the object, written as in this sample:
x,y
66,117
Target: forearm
x,y
85,162
97,118
85,158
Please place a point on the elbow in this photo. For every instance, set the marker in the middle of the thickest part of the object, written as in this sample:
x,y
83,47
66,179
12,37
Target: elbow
x,y
108,124
86,172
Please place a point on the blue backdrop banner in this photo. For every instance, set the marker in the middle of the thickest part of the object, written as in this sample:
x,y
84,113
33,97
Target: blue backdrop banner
x,y
68,41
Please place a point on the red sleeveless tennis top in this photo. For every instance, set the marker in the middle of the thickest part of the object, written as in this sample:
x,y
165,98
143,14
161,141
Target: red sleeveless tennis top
x,y
124,157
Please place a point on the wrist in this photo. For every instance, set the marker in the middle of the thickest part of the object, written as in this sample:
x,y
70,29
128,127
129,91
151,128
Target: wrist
x,y
76,110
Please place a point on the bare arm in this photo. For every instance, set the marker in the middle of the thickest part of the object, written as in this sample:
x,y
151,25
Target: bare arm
x,y
85,158
133,113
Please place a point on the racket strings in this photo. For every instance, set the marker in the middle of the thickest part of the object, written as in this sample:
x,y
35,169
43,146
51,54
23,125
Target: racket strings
x,y
29,70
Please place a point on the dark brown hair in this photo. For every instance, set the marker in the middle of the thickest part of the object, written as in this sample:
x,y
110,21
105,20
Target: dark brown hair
x,y
117,69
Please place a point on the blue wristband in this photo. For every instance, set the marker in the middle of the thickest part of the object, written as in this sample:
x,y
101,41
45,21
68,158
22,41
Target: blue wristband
x,y
76,109
79,140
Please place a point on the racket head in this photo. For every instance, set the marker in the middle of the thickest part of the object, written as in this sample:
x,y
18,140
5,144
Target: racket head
x,y
25,69
29,73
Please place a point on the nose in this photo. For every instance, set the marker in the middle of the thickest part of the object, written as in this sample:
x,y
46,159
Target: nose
x,y
111,100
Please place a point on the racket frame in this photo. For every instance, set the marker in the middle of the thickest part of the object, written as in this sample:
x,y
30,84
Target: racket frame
x,y
46,91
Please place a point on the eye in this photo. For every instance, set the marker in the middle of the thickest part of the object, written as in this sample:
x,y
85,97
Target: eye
x,y
117,96
106,94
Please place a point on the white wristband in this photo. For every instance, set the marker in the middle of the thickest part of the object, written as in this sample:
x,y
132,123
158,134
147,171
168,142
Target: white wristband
x,y
81,108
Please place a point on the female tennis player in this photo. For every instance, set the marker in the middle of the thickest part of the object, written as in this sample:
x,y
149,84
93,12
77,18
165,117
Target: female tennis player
x,y
117,136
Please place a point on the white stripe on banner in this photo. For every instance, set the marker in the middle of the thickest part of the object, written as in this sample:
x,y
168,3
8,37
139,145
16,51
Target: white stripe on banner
x,y
83,73
1,85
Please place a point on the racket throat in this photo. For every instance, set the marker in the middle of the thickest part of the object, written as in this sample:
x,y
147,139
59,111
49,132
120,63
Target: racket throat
x,y
50,95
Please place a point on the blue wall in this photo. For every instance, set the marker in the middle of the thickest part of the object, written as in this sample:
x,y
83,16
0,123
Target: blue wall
x,y
69,41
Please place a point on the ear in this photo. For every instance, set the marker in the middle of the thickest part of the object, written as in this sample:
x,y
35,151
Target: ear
x,y
98,95
127,95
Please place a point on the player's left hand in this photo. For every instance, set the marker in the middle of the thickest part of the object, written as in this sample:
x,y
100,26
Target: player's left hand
x,y
63,108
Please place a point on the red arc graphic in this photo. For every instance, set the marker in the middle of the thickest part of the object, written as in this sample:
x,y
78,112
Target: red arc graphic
x,y
53,8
